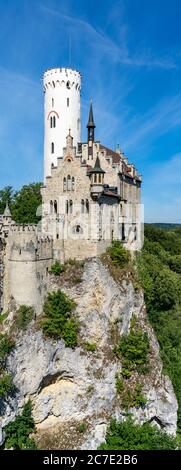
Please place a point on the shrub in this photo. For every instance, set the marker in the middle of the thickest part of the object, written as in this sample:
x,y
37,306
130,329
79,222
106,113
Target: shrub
x,y
126,435
57,268
6,384
131,395
90,347
24,316
59,324
118,254
3,316
82,427
119,384
133,350
17,432
6,346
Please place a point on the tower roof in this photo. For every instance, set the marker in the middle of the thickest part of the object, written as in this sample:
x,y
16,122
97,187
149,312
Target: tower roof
x,y
97,167
7,212
91,118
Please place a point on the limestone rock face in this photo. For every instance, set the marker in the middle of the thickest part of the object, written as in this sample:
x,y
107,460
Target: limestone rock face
x,y
69,387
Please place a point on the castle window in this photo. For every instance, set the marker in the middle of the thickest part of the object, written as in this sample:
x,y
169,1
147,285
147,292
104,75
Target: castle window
x,y
135,234
64,184
55,207
51,122
71,206
54,121
51,207
100,178
77,229
68,85
57,236
82,206
52,102
87,206
73,183
67,207
95,178
67,102
52,147
69,183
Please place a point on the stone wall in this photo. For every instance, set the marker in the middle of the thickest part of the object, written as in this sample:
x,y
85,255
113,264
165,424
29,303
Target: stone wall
x,y
27,260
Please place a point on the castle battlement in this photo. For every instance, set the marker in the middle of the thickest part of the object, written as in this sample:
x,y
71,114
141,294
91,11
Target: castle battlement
x,y
19,228
62,77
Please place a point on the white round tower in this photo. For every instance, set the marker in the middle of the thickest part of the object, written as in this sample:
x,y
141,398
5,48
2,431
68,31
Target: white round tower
x,y
61,113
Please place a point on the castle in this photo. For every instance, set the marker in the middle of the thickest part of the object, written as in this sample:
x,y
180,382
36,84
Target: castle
x,y
91,196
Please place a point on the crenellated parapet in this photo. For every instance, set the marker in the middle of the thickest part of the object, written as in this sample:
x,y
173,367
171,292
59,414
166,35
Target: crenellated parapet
x,y
62,77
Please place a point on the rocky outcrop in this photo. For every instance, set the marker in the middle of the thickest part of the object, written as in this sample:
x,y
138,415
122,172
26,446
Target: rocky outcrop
x,y
69,387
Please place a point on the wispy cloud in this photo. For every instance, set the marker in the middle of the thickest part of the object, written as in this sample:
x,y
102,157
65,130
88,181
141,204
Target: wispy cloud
x,y
160,119
102,42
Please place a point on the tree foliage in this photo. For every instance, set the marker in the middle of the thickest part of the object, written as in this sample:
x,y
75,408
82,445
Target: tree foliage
x,y
126,435
58,321
159,272
23,203
24,316
118,254
17,432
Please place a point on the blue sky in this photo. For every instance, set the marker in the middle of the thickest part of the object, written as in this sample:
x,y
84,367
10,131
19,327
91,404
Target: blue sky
x,y
129,55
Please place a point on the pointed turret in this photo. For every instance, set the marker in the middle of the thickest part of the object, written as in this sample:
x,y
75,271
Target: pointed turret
x,y
7,212
91,123
90,128
97,178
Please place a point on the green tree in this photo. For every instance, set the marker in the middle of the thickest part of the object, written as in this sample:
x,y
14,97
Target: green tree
x,y
118,254
26,202
6,196
17,432
126,435
58,321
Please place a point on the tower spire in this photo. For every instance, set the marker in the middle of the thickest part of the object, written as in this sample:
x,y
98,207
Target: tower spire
x,y
90,131
91,123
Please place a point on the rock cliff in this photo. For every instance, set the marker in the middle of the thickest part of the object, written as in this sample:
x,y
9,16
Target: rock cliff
x,y
70,387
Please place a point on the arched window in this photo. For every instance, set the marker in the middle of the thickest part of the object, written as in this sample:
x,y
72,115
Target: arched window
x,y
55,207
52,147
51,122
67,207
68,85
95,178
87,206
77,229
82,206
100,179
54,121
73,183
51,207
64,184
71,206
69,183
